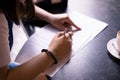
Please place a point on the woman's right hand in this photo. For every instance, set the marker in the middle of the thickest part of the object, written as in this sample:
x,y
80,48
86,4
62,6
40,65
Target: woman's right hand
x,y
61,45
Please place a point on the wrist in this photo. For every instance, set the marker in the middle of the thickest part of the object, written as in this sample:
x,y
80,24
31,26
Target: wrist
x,y
49,53
49,18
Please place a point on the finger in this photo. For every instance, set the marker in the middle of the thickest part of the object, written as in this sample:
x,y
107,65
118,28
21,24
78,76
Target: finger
x,y
59,34
69,35
68,26
61,27
67,23
72,24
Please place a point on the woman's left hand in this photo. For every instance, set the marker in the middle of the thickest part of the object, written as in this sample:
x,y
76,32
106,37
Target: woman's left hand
x,y
62,21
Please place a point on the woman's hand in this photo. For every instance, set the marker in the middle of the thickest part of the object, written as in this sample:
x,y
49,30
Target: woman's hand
x,y
61,45
62,21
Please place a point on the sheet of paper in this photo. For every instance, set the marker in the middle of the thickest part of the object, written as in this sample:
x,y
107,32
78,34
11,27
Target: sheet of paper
x,y
41,39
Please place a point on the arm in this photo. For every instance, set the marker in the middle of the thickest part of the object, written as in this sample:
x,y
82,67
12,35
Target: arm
x,y
42,14
28,70
32,68
24,71
37,65
4,47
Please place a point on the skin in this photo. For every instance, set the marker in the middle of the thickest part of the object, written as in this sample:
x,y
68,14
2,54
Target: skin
x,y
60,45
60,21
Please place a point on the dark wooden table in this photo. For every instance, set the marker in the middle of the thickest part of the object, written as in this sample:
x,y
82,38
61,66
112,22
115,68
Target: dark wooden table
x,y
94,62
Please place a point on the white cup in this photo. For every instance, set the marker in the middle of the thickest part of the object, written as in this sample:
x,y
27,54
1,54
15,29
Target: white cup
x,y
118,41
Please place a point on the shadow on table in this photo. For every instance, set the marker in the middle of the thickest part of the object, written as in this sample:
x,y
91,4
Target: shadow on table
x,y
117,61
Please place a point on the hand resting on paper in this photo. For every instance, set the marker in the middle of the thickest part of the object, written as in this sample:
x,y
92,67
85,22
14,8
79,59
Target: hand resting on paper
x,y
62,21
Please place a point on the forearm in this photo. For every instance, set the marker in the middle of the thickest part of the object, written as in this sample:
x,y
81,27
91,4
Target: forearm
x,y
30,69
42,14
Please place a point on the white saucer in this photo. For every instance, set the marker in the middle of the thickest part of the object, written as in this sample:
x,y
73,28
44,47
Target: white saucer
x,y
111,48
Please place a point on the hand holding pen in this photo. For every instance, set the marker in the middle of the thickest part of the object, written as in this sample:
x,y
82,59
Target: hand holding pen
x,y
61,45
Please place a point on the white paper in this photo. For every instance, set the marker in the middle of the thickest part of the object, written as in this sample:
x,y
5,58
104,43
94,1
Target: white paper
x,y
41,39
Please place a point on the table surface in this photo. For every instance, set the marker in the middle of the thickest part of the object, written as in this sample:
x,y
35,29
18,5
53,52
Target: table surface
x,y
94,62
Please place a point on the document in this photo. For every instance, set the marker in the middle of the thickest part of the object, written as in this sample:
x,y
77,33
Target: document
x,y
40,40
